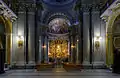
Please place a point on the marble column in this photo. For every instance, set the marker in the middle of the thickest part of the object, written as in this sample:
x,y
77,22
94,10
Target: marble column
x,y
31,40
71,53
109,51
86,42
69,59
40,49
19,29
46,50
103,41
77,52
97,52
74,49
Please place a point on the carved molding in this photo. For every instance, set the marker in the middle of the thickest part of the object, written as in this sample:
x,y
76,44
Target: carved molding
x,y
105,18
6,12
56,14
112,9
117,7
23,5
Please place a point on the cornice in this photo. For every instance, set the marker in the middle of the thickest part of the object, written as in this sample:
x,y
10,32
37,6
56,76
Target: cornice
x,y
23,5
87,7
112,9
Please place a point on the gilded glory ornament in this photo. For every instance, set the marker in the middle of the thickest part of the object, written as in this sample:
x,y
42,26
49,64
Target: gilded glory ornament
x,y
58,49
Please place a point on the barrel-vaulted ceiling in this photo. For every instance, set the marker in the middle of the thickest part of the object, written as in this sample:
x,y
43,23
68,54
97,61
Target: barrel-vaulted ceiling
x,y
58,9
98,2
56,12
61,1
66,7
69,4
83,1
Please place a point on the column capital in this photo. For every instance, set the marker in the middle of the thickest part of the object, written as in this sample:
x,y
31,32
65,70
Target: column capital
x,y
87,7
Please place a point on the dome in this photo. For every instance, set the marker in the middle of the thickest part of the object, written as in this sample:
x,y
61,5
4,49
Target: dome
x,y
59,26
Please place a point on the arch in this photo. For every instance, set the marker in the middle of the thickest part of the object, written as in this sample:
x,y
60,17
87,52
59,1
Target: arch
x,y
57,15
109,36
111,20
8,25
7,33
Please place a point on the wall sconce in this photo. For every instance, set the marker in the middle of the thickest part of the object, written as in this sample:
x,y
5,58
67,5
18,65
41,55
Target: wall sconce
x,y
97,40
72,46
77,40
20,41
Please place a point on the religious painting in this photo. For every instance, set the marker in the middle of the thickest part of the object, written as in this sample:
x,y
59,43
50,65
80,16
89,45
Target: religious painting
x,y
58,48
58,26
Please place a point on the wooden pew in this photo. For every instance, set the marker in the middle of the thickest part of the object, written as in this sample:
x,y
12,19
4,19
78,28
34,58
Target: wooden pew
x,y
72,67
42,67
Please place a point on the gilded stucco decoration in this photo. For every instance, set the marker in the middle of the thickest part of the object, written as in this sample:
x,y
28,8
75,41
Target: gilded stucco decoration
x,y
112,12
58,49
6,12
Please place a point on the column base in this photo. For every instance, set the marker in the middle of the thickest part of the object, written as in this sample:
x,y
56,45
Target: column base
x,y
7,67
95,65
22,65
99,65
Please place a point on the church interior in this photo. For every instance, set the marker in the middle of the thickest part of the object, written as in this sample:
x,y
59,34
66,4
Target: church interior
x,y
59,36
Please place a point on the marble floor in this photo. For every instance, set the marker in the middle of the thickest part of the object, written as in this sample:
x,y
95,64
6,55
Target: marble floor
x,y
60,73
